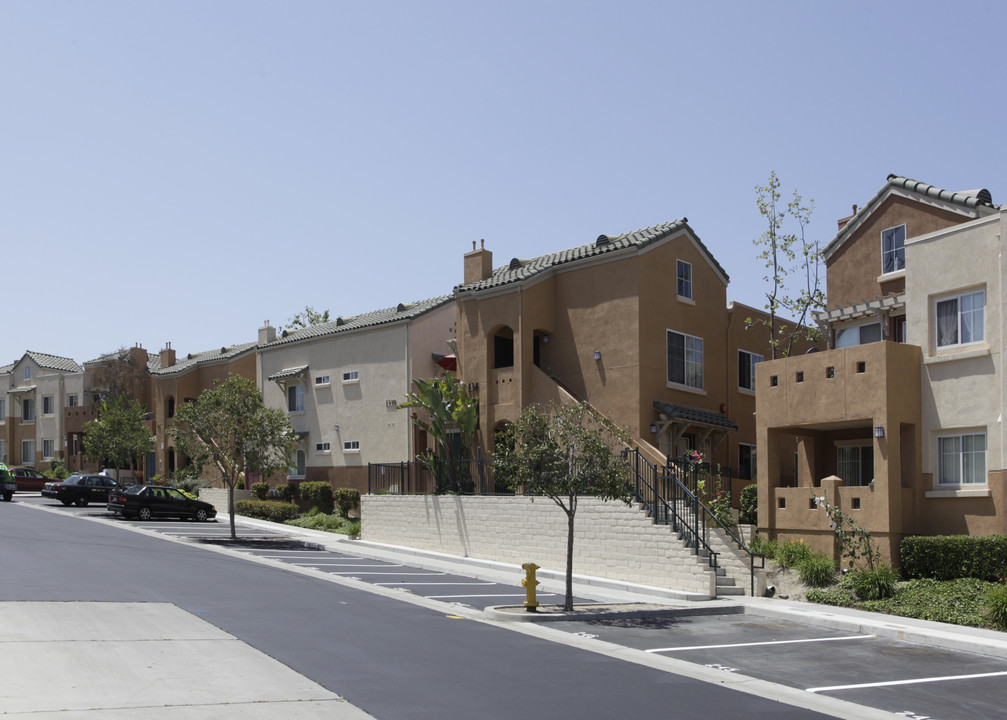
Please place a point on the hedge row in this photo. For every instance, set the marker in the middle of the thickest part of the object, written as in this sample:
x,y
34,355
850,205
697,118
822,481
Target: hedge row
x,y
318,495
267,510
948,557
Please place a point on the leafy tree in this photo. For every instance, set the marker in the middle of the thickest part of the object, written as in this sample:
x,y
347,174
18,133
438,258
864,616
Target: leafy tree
x,y
306,318
122,374
564,452
119,436
230,428
786,255
451,422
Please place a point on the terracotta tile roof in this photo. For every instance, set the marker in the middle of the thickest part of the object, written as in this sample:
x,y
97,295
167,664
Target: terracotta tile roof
x,y
973,203
54,362
193,359
519,269
704,417
153,359
399,313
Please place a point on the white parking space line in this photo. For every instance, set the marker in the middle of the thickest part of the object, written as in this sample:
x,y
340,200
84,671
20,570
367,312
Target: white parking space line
x,y
914,681
350,572
489,595
755,644
399,584
323,563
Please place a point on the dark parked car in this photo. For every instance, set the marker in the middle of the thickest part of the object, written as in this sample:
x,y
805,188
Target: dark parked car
x,y
7,486
80,489
28,479
147,501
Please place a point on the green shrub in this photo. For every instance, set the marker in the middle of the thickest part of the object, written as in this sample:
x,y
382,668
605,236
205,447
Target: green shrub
x,y
763,546
817,570
329,523
791,554
58,468
287,491
749,505
836,596
317,495
876,584
996,606
347,499
260,490
267,510
353,528
947,557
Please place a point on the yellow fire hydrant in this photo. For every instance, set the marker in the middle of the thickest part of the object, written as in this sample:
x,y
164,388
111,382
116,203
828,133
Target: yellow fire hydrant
x,y
529,583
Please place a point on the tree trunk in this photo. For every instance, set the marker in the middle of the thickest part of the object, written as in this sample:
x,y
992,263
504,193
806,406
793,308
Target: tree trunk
x,y
230,508
568,600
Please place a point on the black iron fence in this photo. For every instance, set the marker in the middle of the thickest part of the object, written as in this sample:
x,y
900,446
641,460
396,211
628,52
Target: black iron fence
x,y
464,477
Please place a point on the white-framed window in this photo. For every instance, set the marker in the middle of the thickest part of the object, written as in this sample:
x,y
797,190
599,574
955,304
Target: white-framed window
x,y
893,249
48,448
48,404
321,380
323,447
3,410
297,464
858,335
28,452
351,446
683,278
27,372
961,319
28,410
961,459
746,461
295,398
855,463
72,400
685,360
351,376
746,369
3,450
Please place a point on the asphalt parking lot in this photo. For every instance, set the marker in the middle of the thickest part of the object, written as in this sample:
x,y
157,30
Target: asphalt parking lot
x,y
911,680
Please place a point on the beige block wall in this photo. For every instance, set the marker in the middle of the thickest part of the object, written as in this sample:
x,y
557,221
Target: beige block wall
x,y
612,540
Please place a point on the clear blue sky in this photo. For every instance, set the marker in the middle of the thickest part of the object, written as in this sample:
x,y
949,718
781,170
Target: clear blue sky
x,y
181,171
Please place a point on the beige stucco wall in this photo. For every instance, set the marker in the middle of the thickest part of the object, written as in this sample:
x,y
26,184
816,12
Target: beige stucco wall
x,y
612,539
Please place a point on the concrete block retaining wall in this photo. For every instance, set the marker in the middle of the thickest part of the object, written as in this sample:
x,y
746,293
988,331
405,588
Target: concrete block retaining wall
x,y
612,540
218,497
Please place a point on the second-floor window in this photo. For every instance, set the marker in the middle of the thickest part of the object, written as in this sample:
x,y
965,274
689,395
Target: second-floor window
x,y
3,411
28,410
685,359
962,459
684,279
72,400
893,249
746,369
321,380
961,319
295,398
48,404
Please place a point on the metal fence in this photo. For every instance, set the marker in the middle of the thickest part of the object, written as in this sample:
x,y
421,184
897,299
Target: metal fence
x,y
464,477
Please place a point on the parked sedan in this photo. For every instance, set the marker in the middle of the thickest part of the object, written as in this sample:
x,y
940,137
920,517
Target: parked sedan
x,y
80,489
28,479
147,501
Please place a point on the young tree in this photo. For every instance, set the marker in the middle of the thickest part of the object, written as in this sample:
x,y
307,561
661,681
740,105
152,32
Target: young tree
x,y
452,420
788,255
119,435
564,452
306,318
231,429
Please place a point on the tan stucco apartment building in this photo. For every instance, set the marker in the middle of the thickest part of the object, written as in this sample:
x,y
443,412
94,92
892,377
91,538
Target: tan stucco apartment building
x,y
900,422
636,324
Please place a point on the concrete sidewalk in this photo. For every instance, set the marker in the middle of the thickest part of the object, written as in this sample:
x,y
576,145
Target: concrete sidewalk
x,y
149,661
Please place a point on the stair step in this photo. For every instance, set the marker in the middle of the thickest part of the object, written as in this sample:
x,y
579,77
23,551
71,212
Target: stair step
x,y
730,591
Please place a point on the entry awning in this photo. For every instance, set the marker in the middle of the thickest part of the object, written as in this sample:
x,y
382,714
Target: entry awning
x,y
680,419
288,373
22,389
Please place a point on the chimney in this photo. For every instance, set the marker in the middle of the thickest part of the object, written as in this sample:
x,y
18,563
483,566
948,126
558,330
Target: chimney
x,y
167,356
138,356
267,333
842,222
478,263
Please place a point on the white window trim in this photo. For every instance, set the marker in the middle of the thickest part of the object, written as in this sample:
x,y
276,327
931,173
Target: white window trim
x,y
30,462
351,380
741,388
881,238
52,405
326,450
322,381
667,368
349,449
76,400
304,401
690,297
293,470
34,412
957,488
857,326
958,296
51,455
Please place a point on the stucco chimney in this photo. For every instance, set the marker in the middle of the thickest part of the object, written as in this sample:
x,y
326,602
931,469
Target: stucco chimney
x,y
167,356
478,263
267,333
843,221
